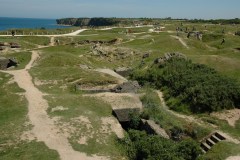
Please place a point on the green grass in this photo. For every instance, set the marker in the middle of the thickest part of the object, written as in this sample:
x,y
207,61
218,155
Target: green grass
x,y
13,111
110,147
221,151
78,105
29,151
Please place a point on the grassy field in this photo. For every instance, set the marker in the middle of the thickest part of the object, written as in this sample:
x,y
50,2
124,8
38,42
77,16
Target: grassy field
x,y
60,68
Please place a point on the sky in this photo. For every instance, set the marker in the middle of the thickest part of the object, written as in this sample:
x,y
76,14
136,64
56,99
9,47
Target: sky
x,y
191,9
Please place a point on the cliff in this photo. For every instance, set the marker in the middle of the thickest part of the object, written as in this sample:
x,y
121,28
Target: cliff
x,y
88,21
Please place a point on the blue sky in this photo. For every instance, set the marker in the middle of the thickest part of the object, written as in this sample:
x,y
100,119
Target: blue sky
x,y
206,9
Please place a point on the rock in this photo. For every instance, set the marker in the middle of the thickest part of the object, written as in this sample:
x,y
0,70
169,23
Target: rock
x,y
3,63
169,56
15,45
123,71
83,66
146,55
12,62
127,87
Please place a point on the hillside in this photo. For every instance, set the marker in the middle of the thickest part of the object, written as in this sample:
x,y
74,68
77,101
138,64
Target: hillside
x,y
75,92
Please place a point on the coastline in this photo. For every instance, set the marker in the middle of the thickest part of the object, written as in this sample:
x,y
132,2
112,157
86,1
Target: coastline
x,y
65,25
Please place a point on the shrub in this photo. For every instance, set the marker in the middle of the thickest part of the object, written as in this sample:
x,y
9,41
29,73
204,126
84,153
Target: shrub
x,y
194,87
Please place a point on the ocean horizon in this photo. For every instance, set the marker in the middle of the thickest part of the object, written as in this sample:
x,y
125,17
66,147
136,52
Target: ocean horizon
x,y
8,23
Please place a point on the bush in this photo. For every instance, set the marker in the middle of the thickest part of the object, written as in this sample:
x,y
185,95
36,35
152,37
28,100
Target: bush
x,y
142,146
194,87
135,120
211,37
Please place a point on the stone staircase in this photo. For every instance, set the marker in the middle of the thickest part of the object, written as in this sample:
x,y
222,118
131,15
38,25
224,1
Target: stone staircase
x,y
208,142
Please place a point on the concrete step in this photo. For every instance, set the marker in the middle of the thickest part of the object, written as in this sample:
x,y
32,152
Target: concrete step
x,y
219,136
214,139
205,146
203,151
210,142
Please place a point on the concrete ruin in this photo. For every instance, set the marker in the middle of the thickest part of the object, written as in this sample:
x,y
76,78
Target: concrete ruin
x,y
152,128
122,114
3,63
208,142
127,87
6,63
111,52
123,71
93,42
5,45
169,56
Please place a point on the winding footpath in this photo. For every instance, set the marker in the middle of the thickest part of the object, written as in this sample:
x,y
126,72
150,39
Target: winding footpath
x,y
44,128
181,41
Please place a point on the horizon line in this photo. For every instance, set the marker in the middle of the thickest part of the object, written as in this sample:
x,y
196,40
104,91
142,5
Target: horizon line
x,y
170,18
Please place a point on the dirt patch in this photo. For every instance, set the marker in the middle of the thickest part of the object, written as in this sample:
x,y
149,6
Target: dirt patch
x,y
83,140
233,158
231,116
59,108
38,82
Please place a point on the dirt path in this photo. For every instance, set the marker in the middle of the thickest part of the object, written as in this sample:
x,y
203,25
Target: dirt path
x,y
44,128
75,33
188,118
231,116
181,41
52,41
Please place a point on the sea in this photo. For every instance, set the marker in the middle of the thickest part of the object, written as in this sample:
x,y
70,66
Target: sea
x,y
32,23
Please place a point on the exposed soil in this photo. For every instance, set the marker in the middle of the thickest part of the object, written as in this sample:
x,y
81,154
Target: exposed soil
x,y
231,116
233,158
